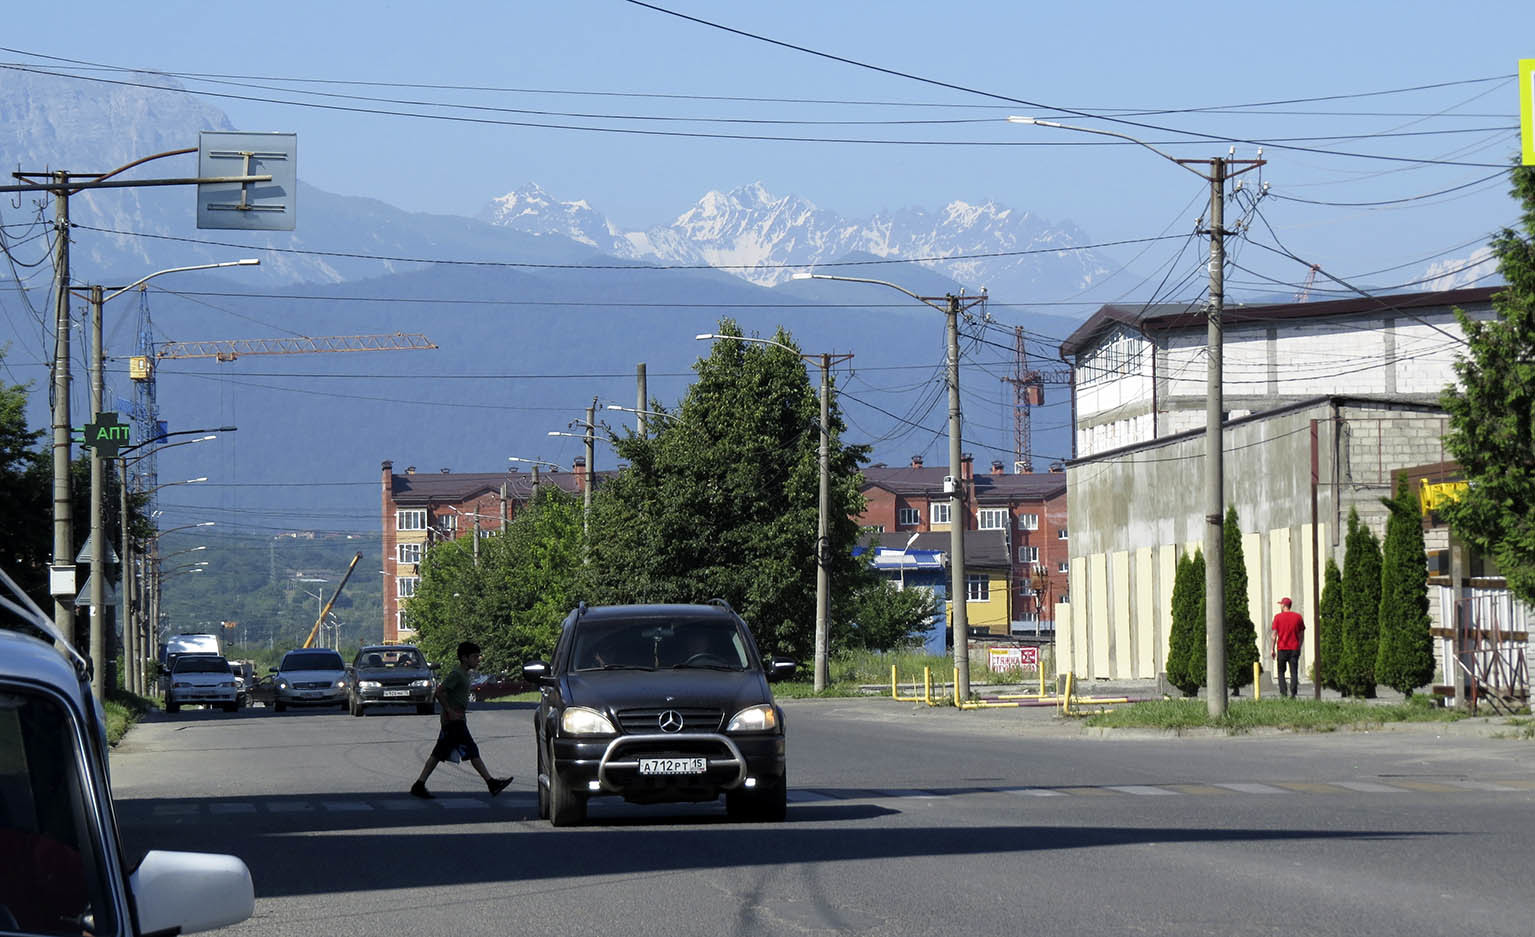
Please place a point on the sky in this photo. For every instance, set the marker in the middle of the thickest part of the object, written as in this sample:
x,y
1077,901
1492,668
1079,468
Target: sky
x,y
1386,128
678,103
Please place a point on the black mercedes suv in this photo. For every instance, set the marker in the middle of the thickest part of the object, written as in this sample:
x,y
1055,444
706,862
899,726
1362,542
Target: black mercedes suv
x,y
658,704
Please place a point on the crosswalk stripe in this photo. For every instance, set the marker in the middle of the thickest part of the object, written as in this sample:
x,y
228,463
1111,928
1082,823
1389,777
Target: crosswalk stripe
x,y
1250,788
1308,787
346,806
1430,787
1478,785
232,808
1142,789
1037,792
1196,789
1369,787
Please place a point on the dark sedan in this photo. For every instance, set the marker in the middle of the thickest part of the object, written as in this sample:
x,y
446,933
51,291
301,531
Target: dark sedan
x,y
658,704
390,674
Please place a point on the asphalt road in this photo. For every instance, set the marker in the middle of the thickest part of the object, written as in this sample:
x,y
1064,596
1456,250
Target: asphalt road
x,y
902,820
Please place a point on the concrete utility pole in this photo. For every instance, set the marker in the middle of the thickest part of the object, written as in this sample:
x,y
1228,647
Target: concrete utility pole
x,y
63,510
1220,170
642,403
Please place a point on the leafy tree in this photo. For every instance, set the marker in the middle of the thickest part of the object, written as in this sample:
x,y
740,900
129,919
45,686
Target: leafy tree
x,y
1405,660
1361,609
885,617
1329,626
1241,635
722,500
511,599
1493,409
25,541
1186,644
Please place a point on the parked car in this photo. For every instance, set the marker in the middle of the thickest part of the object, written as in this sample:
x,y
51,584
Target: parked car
x,y
309,677
488,686
658,704
189,643
390,673
201,678
62,865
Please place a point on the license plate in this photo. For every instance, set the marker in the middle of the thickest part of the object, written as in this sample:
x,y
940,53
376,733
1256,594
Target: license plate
x,y
673,765
396,692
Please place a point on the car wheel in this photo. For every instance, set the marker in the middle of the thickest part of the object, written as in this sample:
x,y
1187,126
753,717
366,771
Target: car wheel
x,y
279,707
566,807
354,706
769,803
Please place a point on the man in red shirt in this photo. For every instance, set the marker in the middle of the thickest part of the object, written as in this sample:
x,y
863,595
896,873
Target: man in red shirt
x,y
1288,627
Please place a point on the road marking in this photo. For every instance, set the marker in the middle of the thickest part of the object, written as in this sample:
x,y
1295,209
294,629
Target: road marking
x,y
1428,786
1036,792
1196,789
1251,788
1145,790
1478,785
1369,787
1085,791
346,806
401,803
462,803
175,810
1521,785
1307,787
290,806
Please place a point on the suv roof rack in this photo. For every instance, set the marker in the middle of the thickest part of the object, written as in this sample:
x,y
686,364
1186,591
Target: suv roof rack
x,y
721,603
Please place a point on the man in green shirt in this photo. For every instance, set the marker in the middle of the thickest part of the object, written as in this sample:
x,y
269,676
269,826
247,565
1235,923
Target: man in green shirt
x,y
454,743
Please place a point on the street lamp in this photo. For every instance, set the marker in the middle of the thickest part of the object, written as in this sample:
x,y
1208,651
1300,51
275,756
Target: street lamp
x,y
142,647
319,608
954,484
1220,169
823,508
591,457
98,298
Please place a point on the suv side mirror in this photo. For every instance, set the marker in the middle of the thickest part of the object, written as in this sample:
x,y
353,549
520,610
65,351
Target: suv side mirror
x,y
535,671
781,667
434,666
271,670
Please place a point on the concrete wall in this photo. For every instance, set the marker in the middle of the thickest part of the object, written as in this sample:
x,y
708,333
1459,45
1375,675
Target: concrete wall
x,y
1133,513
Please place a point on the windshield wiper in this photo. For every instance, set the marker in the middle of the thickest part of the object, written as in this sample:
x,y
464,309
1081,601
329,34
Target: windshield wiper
x,y
686,666
617,667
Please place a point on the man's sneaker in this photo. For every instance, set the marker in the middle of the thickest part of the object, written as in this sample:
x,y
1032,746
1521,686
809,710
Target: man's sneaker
x,y
497,785
418,789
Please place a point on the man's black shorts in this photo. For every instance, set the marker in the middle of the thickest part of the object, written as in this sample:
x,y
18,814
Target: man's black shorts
x,y
454,743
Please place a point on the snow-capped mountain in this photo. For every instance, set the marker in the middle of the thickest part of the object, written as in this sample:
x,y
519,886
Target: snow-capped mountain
x,y
756,235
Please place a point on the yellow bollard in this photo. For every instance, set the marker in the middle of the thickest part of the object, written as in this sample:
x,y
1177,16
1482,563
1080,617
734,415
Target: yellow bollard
x,y
927,685
1257,684
894,694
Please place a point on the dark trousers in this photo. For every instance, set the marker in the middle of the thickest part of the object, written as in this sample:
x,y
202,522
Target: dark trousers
x,y
1289,659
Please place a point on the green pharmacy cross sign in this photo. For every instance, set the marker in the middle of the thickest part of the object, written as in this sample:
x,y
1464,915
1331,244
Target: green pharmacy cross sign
x,y
106,436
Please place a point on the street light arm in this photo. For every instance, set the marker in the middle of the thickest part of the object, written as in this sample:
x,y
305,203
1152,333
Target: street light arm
x,y
248,262
1104,133
554,465
181,432
827,276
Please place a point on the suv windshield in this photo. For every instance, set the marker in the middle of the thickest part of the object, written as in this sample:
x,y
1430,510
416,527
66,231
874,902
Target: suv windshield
x,y
312,660
658,643
186,664
376,658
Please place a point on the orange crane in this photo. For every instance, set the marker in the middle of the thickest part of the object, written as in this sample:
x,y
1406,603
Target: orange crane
x,y
313,632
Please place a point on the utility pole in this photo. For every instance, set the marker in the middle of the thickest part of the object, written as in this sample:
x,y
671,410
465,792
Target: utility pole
x,y
641,405
1215,473
63,511
98,614
591,458
822,538
960,586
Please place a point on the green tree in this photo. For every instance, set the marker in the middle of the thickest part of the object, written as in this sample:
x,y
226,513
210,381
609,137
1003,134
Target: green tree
x,y
511,598
1361,609
1186,644
25,540
1241,635
1405,660
885,617
1492,410
1329,625
722,500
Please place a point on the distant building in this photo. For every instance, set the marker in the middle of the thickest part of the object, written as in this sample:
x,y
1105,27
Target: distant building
x,y
419,509
1016,549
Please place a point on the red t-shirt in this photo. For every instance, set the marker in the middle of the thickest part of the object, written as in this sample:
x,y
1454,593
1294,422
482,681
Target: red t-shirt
x,y
1288,627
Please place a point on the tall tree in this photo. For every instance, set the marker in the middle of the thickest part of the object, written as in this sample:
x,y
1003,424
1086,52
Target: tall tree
x,y
722,501
1240,634
1405,660
511,598
1186,644
1361,609
1493,409
1329,625
25,538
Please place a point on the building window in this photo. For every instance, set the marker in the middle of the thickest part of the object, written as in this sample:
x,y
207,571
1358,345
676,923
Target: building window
x,y
1063,567
874,528
410,553
402,625
1060,534
908,517
447,523
1026,588
405,586
410,519
977,589
940,512
1028,522
1028,554
992,518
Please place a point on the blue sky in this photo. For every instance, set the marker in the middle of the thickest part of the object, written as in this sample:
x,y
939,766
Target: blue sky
x,y
640,68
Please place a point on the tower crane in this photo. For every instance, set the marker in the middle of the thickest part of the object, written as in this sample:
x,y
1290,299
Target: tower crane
x,y
1028,391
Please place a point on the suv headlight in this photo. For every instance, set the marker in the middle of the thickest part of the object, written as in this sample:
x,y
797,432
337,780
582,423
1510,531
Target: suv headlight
x,y
759,718
368,684
341,684
180,685
282,684
420,683
579,720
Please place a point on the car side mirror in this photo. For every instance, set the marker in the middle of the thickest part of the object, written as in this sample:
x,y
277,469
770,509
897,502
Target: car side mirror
x,y
271,670
535,671
781,667
434,666
185,892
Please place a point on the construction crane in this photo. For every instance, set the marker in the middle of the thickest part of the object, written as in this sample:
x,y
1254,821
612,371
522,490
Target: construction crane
x,y
1028,391
1305,291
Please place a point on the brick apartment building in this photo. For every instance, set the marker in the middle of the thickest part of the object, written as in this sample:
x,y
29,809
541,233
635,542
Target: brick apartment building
x,y
1026,513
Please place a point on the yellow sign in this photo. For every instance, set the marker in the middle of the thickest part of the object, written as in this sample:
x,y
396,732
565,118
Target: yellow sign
x,y
1527,109
1433,495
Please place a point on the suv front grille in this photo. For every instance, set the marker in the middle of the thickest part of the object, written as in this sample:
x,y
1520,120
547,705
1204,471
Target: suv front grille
x,y
694,719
